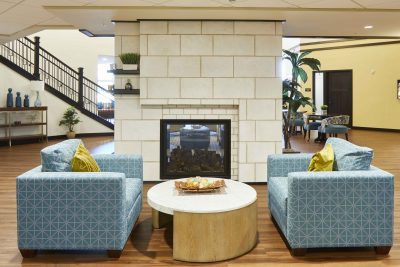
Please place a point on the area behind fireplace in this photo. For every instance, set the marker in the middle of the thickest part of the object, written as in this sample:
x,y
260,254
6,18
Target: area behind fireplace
x,y
195,148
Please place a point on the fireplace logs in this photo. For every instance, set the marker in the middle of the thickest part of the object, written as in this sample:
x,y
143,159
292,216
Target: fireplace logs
x,y
194,161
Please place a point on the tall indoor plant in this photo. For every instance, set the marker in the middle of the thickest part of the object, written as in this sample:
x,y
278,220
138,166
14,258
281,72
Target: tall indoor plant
x,y
70,119
292,96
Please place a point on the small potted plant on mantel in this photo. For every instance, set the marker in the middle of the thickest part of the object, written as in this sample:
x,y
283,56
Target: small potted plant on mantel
x,y
70,119
324,109
130,61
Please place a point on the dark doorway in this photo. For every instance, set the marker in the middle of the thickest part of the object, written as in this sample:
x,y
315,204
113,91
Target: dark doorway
x,y
337,86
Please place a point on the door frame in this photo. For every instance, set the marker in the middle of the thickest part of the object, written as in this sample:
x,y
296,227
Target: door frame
x,y
326,95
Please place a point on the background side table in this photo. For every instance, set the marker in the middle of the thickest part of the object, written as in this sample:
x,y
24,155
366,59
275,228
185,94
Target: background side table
x,y
9,124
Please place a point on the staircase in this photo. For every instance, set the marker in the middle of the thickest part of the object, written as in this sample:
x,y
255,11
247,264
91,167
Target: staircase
x,y
33,62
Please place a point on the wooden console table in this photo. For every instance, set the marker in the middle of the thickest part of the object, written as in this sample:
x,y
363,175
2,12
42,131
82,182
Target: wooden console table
x,y
9,124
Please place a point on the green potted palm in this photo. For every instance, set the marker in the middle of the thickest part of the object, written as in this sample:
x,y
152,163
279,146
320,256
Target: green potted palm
x,y
70,119
130,61
292,96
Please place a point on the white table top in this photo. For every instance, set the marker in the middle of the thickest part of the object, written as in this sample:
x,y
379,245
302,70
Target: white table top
x,y
235,195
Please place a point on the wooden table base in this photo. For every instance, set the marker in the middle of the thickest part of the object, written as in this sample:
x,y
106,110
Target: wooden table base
x,y
210,237
160,219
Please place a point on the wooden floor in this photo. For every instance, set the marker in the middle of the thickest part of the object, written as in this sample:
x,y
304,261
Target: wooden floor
x,y
148,247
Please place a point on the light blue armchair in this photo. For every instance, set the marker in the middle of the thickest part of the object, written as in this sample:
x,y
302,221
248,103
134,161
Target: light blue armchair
x,y
330,209
80,211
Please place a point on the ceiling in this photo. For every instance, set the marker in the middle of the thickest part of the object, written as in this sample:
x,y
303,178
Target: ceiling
x,y
306,18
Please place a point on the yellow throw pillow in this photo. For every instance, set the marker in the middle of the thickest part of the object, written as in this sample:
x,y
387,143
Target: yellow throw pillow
x,y
83,161
323,160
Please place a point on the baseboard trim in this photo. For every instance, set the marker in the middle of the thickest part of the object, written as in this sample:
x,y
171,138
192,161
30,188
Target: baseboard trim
x,y
81,135
376,129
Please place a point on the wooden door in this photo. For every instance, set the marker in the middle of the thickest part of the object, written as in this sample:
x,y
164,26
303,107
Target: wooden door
x,y
338,92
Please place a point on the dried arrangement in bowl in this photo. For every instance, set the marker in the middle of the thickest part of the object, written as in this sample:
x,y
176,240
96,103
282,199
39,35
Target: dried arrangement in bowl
x,y
199,184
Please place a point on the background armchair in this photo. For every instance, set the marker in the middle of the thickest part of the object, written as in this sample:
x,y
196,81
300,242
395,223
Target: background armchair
x,y
309,126
296,121
330,209
335,125
78,210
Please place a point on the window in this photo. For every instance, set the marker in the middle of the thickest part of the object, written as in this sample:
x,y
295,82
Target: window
x,y
104,78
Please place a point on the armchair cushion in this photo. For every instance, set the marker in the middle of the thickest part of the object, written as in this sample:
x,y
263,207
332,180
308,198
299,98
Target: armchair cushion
x,y
83,161
350,157
312,126
57,158
322,160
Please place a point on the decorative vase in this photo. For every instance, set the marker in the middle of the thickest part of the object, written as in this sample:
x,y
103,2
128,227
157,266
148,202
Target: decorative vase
x,y
18,100
10,100
128,85
324,112
38,103
26,101
71,135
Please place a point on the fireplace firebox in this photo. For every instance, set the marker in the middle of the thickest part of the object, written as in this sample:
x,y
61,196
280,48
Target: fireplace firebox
x,y
195,148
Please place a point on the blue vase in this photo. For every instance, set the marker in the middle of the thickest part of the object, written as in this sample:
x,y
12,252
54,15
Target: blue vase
x,y
10,100
26,101
18,100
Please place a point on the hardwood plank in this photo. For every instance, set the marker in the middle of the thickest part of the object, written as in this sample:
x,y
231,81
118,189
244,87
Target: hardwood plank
x,y
153,247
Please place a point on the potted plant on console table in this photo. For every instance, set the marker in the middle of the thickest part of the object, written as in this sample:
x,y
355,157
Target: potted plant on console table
x,y
70,119
130,61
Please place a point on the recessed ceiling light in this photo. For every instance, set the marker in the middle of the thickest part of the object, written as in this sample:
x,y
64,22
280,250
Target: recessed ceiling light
x,y
368,27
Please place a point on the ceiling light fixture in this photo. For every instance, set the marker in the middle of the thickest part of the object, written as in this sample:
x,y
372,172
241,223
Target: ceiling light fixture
x,y
368,27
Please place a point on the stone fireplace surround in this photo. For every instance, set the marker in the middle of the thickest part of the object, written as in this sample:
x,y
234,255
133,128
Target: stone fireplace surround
x,y
203,70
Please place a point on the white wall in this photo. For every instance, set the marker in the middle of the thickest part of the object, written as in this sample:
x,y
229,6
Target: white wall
x,y
10,79
292,44
76,49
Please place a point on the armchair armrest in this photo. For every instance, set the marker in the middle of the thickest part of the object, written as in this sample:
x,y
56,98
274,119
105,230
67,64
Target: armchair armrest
x,y
64,210
281,165
340,209
131,165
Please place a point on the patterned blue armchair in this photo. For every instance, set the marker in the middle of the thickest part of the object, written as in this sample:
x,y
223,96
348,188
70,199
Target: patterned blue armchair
x,y
335,125
78,210
330,209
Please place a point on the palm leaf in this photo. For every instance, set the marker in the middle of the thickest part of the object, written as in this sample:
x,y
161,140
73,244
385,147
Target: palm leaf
x,y
293,56
304,54
313,63
303,75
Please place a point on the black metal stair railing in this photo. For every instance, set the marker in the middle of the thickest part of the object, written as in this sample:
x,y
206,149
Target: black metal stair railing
x,y
61,78
21,53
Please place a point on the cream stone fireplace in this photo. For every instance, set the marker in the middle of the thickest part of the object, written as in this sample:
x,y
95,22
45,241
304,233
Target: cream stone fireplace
x,y
203,70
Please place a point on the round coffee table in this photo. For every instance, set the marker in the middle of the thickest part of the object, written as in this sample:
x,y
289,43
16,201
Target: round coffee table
x,y
208,227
